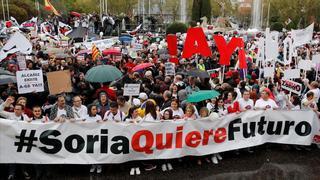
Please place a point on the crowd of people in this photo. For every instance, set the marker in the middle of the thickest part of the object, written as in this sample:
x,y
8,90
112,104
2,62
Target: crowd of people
x,y
161,97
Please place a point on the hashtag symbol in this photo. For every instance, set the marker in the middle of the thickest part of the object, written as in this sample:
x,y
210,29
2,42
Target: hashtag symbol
x,y
26,140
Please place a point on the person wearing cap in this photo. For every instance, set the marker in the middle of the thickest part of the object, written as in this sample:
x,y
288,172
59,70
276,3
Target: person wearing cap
x,y
143,97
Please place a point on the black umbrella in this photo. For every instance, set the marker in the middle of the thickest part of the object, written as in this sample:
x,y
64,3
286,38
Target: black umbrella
x,y
197,73
79,33
6,79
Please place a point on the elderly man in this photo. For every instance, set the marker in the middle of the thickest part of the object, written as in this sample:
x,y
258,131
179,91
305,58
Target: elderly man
x,y
80,111
60,111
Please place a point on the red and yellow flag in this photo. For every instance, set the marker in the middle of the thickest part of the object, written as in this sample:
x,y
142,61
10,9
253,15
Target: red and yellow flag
x,y
49,7
95,52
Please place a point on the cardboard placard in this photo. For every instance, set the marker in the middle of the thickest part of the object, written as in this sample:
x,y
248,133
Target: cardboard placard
x,y
316,58
305,65
169,69
291,86
291,74
59,82
137,46
21,61
30,81
268,71
131,90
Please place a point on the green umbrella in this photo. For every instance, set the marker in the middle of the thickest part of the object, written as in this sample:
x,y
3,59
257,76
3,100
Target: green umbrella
x,y
198,96
103,73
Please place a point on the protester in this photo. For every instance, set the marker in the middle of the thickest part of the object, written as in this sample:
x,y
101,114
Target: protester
x,y
114,114
133,116
18,111
265,102
80,111
177,112
162,98
61,112
245,102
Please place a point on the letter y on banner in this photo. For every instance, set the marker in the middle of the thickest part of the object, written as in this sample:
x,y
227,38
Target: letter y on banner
x,y
226,50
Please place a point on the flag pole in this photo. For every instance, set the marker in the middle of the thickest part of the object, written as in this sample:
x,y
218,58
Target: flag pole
x,y
3,11
8,10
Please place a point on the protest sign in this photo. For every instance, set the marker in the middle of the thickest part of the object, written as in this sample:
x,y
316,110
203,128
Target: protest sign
x,y
302,36
316,58
291,86
291,74
305,65
137,47
268,71
169,69
110,142
59,82
21,61
131,89
30,81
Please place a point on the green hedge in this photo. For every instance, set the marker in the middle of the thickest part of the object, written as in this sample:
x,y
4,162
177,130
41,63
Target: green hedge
x,y
176,27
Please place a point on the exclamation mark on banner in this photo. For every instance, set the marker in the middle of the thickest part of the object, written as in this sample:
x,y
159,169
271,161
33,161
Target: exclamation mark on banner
x,y
172,48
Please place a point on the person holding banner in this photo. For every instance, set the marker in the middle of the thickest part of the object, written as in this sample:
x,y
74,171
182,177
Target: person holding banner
x,y
92,115
80,111
23,101
60,112
233,107
18,111
133,116
245,102
309,102
265,102
19,116
114,114
37,115
177,112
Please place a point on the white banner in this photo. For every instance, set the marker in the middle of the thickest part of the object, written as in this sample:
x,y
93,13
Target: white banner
x,y
169,69
110,142
30,81
302,36
16,43
131,90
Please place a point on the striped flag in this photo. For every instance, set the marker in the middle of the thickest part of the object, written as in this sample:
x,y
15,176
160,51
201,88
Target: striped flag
x,y
95,52
48,6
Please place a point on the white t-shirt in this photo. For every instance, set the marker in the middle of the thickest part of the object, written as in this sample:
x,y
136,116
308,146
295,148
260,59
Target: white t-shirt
x,y
210,106
316,93
178,112
262,104
80,113
245,105
149,118
93,118
118,117
310,106
61,112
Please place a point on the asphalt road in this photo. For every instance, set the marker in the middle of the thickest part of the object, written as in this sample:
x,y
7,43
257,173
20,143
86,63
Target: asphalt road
x,y
270,162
